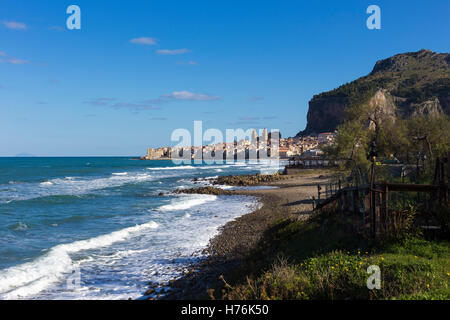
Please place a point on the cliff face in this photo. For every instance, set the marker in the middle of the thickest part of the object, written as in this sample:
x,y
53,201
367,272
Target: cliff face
x,y
405,85
325,114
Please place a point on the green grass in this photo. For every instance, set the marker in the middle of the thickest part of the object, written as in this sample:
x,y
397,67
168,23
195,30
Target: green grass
x,y
323,258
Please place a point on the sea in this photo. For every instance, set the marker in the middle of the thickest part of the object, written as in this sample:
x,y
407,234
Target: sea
x,y
105,227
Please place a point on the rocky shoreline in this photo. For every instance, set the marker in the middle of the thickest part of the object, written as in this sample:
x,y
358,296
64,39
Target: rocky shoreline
x,y
226,251
249,180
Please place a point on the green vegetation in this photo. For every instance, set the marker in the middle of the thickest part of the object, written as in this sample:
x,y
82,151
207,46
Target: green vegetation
x,y
417,140
325,258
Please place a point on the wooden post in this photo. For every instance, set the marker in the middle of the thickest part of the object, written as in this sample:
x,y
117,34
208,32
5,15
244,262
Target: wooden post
x,y
373,216
355,201
351,202
442,183
344,197
385,213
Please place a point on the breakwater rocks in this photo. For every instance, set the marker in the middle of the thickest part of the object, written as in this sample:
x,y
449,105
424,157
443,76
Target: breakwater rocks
x,y
249,180
204,190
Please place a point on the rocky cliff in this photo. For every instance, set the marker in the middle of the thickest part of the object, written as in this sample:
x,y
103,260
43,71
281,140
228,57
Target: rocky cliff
x,y
404,85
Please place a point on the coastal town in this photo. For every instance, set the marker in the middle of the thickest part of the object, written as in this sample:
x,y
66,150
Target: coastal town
x,y
306,146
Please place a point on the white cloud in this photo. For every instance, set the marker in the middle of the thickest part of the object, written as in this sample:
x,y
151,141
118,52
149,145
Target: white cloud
x,y
186,95
14,25
172,52
144,40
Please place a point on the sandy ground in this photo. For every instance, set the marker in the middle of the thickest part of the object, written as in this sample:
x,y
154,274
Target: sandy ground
x,y
292,199
295,193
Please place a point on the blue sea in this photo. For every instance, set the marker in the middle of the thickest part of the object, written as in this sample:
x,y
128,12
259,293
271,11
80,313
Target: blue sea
x,y
98,228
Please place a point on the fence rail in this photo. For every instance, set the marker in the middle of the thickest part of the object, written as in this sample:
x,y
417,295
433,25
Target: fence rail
x,y
373,202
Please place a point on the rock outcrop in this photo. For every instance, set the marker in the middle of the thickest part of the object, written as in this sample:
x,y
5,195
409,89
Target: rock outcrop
x,y
405,85
249,180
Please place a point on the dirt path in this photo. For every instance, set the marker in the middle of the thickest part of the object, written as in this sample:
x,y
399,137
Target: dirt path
x,y
295,193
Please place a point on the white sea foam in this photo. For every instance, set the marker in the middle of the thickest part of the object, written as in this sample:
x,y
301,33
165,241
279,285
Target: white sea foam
x,y
66,186
20,226
172,168
215,167
120,173
127,266
183,203
32,277
223,186
111,270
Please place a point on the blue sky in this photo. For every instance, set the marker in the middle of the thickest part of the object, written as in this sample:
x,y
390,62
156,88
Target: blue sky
x,y
137,70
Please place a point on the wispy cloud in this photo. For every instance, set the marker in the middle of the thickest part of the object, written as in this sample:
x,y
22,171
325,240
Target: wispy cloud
x,y
244,123
17,61
14,25
189,63
172,52
252,120
99,101
154,101
111,102
269,118
249,118
12,60
145,41
134,106
186,95
255,98
150,104
56,28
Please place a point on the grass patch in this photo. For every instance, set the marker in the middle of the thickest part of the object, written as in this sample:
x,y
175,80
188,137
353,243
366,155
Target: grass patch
x,y
324,258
